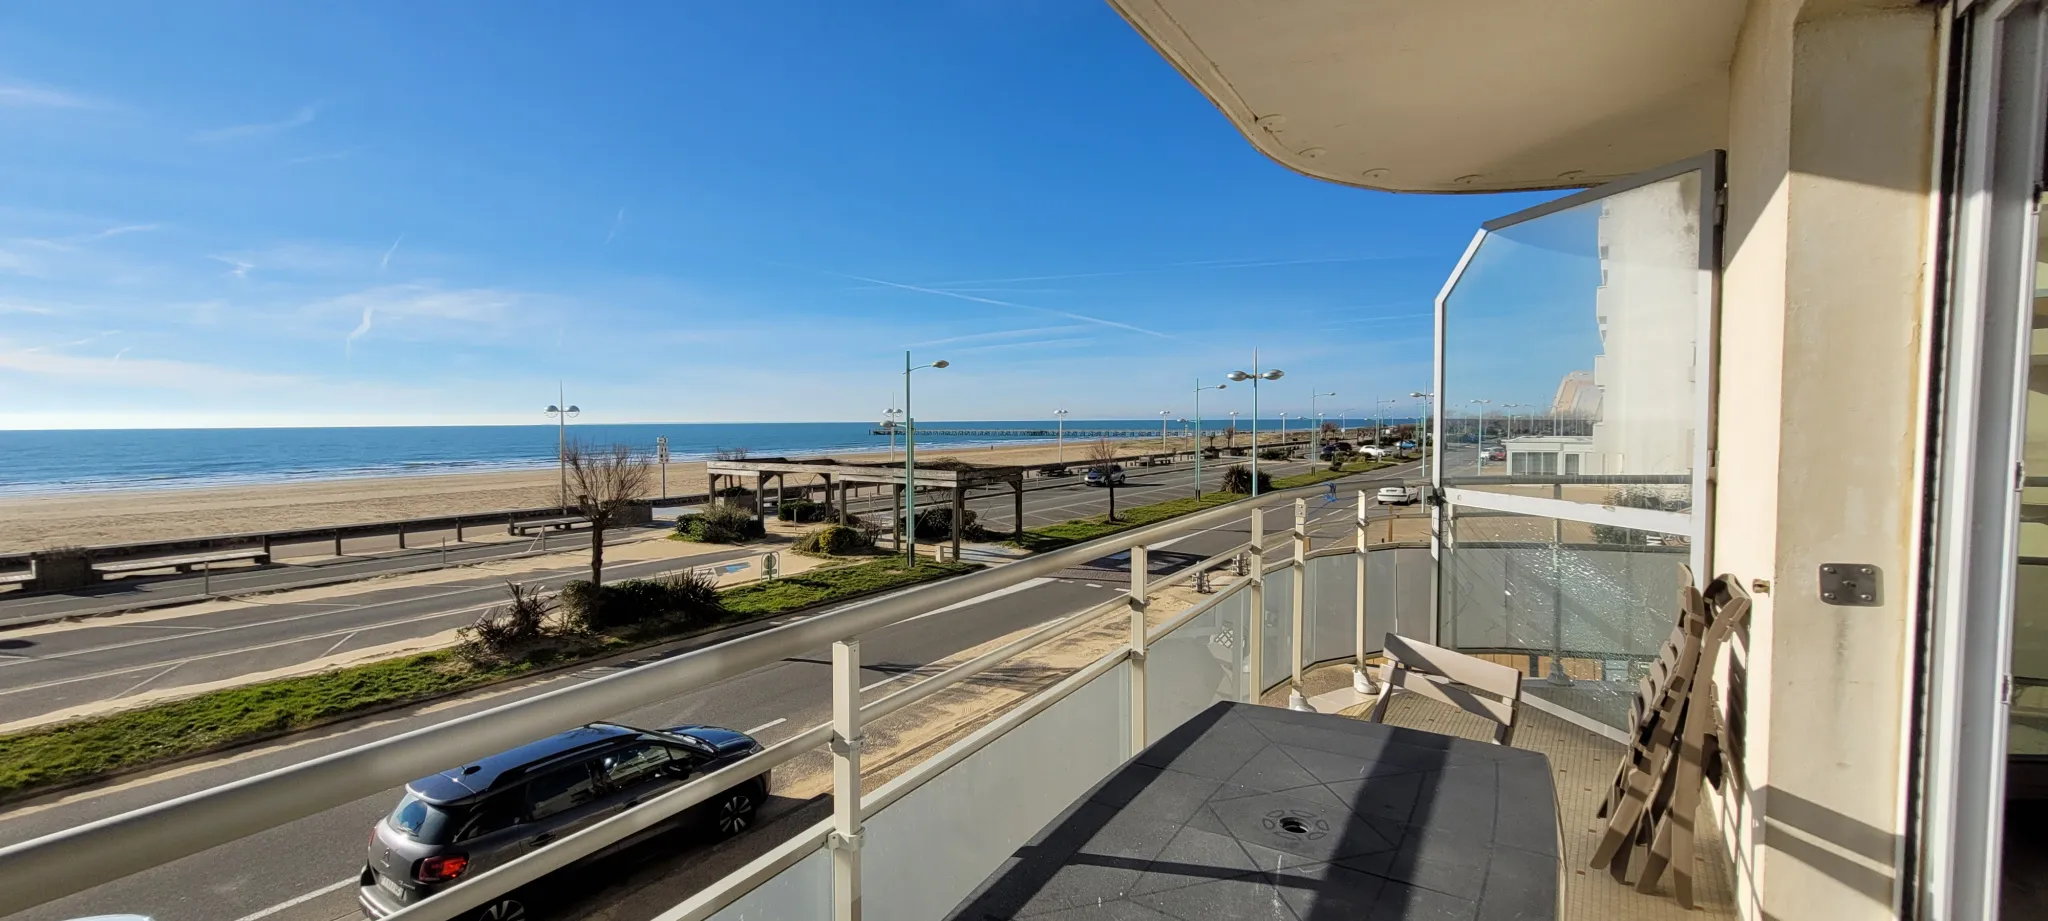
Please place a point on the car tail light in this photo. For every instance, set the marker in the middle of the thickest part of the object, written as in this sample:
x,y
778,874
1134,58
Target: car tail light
x,y
441,869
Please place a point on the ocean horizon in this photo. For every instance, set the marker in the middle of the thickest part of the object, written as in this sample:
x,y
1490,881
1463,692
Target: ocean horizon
x,y
40,461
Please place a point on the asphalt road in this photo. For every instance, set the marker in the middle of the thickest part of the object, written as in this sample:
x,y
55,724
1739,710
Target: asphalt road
x,y
298,871
47,671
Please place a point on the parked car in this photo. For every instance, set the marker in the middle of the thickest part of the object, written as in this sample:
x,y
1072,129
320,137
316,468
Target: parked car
x,y
1400,495
1055,470
467,820
1496,453
1112,475
1373,451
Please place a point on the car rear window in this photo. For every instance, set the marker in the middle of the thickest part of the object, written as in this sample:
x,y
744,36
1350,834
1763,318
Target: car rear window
x,y
421,820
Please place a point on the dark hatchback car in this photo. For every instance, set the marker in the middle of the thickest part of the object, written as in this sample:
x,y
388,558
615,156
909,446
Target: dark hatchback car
x,y
465,821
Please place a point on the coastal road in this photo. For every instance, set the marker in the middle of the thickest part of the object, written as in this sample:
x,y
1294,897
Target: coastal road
x,y
299,870
1045,502
52,669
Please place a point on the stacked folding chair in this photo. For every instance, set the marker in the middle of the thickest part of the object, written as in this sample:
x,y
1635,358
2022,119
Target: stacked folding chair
x,y
1652,806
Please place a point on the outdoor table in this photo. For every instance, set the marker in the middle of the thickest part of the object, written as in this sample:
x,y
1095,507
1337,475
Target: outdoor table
x,y
1248,812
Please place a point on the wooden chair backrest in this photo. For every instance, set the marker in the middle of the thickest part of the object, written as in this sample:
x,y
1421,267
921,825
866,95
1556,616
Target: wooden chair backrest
x,y
1450,677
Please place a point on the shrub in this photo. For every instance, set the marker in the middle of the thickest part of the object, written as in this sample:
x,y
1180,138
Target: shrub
x,y
1239,479
677,597
1275,454
803,511
720,524
937,523
836,540
500,633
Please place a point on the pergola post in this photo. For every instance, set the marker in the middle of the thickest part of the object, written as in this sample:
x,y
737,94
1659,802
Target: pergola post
x,y
828,493
761,499
1017,492
842,503
959,512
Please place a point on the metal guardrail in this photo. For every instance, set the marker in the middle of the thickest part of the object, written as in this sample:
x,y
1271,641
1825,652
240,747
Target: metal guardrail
x,y
75,859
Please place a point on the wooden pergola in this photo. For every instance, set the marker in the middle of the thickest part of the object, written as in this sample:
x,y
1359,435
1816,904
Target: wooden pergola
x,y
955,478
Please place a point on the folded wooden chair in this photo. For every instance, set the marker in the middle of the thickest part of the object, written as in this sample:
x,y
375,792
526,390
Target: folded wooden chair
x,y
1450,677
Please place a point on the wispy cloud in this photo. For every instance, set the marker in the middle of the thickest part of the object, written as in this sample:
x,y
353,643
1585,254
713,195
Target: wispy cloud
x,y
992,301
1061,341
236,267
385,262
124,350
1175,267
618,219
299,119
22,95
322,157
1003,334
121,230
421,310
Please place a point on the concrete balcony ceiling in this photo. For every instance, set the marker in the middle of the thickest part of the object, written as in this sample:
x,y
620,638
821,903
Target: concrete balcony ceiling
x,y
1458,95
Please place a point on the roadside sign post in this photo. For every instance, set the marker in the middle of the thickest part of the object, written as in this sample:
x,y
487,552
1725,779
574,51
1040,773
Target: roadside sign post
x,y
661,454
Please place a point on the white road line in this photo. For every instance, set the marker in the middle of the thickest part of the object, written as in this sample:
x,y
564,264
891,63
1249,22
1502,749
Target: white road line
x,y
337,643
298,900
764,726
998,593
873,685
139,685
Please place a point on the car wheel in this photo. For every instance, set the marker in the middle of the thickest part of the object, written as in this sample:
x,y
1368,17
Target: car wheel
x,y
502,910
735,813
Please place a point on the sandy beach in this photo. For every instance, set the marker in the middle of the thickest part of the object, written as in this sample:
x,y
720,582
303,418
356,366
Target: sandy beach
x,y
127,516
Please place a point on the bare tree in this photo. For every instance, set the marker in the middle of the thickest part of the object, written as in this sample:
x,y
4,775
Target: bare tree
x,y
730,454
1102,458
606,481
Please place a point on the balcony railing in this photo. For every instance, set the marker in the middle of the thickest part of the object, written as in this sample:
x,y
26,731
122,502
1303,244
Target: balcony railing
x,y
914,847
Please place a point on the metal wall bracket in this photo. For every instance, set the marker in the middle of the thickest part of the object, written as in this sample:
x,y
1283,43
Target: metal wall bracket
x,y
846,748
1854,584
838,842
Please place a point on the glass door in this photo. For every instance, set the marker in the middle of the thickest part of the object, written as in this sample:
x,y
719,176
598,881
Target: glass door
x,y
1561,543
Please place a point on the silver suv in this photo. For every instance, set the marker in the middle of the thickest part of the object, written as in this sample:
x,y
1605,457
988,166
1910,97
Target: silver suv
x,y
465,821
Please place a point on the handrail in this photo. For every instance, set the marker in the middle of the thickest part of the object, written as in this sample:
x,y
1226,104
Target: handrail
x,y
61,863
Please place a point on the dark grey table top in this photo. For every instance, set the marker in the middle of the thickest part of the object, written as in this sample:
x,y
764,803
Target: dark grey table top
x,y
1252,813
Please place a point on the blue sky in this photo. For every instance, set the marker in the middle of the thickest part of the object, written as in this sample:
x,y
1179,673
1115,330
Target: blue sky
x,y
266,214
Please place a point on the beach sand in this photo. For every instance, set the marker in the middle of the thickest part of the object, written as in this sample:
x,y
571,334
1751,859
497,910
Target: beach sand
x,y
127,516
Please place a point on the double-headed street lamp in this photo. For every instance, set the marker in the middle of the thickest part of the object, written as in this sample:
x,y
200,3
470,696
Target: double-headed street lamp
x,y
910,465
1198,431
1509,408
1060,441
1382,405
891,422
1164,416
1479,439
562,413
1255,376
1421,437
1315,440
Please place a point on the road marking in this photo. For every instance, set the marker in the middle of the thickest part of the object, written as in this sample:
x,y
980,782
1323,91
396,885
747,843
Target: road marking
x,y
758,729
298,900
337,643
140,684
998,593
873,685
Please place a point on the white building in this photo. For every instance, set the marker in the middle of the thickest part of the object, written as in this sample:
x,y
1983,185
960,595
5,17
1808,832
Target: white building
x,y
1646,306
1551,455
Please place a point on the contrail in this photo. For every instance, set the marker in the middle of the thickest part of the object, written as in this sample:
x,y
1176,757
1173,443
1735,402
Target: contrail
x,y
348,345
382,263
616,220
989,300
1206,264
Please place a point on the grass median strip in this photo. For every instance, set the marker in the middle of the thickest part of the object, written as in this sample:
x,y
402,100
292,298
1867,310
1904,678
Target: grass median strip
x,y
68,753
1079,530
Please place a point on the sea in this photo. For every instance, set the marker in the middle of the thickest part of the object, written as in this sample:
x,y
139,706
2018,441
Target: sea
x,y
53,461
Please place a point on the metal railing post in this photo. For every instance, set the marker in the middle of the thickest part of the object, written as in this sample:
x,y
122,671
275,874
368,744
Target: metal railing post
x,y
1140,598
1255,643
846,742
1298,620
1361,675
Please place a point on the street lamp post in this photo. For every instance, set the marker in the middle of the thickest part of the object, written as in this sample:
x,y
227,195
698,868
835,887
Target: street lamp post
x,y
1422,437
1479,439
1060,441
1255,377
1164,415
910,465
561,411
1198,431
890,422
1315,439
1382,405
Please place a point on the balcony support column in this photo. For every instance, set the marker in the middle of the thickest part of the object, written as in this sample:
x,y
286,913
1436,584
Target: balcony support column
x,y
1295,700
1140,597
846,743
1255,621
1361,675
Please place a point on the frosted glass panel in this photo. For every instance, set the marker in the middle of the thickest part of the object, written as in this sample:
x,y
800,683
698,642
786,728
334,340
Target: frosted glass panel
x,y
1331,609
801,893
1199,663
926,851
1279,626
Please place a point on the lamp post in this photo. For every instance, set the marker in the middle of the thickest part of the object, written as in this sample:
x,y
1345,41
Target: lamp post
x,y
562,412
1164,415
1508,409
1382,405
1422,437
1198,431
1255,377
889,421
1315,439
910,465
1479,439
1060,441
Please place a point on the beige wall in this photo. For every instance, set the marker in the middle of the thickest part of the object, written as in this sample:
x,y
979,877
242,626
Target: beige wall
x,y
1824,304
